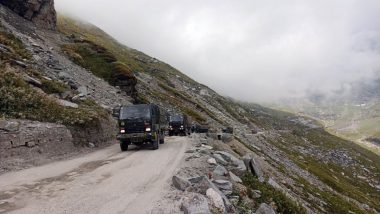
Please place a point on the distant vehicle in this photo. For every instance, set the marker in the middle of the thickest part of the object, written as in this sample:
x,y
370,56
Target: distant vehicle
x,y
141,124
228,130
196,128
178,125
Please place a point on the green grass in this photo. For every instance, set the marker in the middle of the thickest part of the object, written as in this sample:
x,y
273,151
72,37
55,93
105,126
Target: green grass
x,y
271,195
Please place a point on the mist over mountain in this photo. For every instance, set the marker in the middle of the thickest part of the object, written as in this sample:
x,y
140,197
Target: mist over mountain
x,y
250,50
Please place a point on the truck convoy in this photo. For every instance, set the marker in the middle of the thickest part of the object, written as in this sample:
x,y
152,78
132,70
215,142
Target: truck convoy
x,y
178,125
140,125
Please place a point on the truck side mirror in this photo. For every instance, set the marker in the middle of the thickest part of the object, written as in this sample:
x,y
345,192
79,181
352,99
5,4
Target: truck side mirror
x,y
116,112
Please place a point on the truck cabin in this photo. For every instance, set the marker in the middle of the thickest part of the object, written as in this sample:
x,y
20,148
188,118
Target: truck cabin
x,y
177,125
140,124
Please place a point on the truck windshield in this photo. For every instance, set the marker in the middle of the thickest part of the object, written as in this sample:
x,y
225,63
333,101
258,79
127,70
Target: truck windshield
x,y
176,118
135,112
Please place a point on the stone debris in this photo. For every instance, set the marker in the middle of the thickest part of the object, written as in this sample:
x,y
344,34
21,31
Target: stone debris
x,y
180,183
220,170
235,178
265,209
212,161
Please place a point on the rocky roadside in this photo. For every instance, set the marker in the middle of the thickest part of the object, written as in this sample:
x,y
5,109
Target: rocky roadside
x,y
211,181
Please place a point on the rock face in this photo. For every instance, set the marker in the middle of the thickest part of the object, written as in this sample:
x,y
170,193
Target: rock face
x,y
41,12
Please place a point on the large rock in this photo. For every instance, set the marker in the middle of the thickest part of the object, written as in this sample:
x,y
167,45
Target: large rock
x,y
220,170
220,159
265,209
180,183
235,178
254,167
223,184
195,204
239,164
9,126
216,200
41,12
202,184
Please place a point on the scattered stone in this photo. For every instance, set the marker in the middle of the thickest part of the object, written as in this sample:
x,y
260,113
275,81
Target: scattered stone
x,y
19,63
256,194
235,178
82,91
190,151
220,159
275,185
9,126
216,200
239,164
30,144
265,209
195,204
220,170
211,161
223,185
67,104
207,147
32,80
180,183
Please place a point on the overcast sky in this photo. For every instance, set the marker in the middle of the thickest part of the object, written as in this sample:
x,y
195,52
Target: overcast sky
x,y
249,49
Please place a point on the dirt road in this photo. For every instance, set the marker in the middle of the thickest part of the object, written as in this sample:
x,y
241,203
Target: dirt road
x,y
106,181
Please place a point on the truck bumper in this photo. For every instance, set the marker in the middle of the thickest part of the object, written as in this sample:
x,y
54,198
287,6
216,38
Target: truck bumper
x,y
136,138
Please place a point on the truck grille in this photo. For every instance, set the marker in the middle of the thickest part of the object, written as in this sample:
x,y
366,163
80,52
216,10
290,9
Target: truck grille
x,y
135,127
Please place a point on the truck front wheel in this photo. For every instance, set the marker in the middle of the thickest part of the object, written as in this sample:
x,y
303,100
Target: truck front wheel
x,y
124,146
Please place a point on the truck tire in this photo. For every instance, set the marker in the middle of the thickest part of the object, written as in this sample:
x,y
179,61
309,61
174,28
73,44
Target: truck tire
x,y
155,143
124,146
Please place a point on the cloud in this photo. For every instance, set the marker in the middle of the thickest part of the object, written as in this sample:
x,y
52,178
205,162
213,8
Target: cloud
x,y
249,49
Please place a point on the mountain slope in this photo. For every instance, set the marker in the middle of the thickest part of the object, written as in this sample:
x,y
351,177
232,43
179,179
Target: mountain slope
x,y
319,170
303,165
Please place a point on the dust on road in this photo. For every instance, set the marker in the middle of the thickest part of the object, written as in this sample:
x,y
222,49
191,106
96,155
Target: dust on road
x,y
106,181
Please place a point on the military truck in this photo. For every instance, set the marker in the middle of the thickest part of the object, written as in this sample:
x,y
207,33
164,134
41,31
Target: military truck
x,y
178,125
140,125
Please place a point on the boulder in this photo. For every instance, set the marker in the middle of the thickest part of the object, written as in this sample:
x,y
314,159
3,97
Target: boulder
x,y
239,164
235,178
180,183
202,184
220,159
195,204
220,170
254,167
265,209
216,200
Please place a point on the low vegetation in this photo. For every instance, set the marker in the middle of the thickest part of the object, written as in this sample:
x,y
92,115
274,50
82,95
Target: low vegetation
x,y
19,100
271,195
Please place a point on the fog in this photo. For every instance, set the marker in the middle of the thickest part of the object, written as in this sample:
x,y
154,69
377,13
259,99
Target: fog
x,y
249,49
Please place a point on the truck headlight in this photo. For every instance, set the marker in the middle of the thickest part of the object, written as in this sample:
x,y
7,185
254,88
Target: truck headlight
x,y
148,129
122,131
